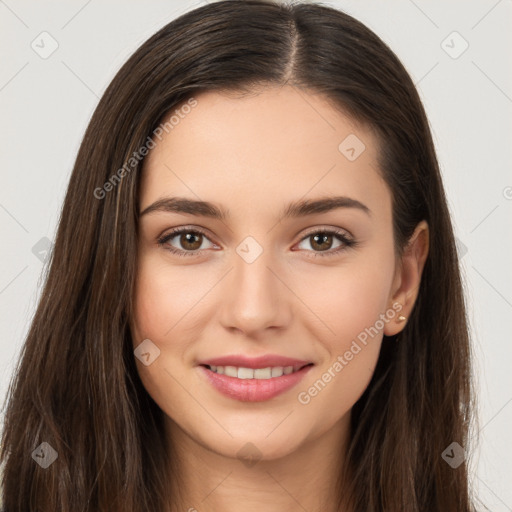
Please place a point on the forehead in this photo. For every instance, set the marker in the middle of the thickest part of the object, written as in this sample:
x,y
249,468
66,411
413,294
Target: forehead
x,y
276,144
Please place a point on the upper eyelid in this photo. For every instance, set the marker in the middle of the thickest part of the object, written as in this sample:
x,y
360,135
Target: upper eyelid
x,y
333,230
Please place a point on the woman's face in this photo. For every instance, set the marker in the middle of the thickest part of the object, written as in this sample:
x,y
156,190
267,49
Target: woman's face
x,y
307,289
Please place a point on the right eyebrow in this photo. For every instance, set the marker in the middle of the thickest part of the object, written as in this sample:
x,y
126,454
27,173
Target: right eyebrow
x,y
184,205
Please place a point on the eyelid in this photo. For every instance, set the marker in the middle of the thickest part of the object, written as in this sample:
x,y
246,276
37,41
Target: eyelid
x,y
328,229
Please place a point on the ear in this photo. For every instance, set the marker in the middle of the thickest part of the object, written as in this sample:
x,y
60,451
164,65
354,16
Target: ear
x,y
407,279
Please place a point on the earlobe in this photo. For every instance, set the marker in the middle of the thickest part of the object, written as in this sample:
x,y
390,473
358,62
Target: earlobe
x,y
409,277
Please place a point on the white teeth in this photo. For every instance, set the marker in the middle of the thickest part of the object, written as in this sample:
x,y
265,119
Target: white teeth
x,y
245,373
250,373
262,373
277,371
231,371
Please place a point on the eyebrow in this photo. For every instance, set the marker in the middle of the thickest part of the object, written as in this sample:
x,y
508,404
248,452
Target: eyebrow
x,y
301,208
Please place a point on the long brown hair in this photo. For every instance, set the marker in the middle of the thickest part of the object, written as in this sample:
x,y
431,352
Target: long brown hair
x,y
77,387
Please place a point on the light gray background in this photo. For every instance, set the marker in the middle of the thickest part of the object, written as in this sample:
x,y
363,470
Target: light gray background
x,y
47,103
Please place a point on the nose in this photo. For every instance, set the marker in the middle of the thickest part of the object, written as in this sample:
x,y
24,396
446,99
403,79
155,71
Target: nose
x,y
254,297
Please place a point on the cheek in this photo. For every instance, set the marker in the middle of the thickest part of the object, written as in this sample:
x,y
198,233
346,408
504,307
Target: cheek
x,y
338,385
154,303
350,302
160,309
166,300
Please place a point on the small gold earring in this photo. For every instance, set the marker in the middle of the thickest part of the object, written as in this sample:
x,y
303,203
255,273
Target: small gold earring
x,y
401,318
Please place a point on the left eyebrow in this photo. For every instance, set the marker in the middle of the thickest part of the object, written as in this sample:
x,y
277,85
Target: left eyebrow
x,y
322,205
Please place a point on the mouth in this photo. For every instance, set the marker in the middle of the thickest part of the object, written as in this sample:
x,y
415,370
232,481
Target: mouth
x,y
255,384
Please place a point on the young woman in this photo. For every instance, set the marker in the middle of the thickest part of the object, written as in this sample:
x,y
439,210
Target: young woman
x,y
254,297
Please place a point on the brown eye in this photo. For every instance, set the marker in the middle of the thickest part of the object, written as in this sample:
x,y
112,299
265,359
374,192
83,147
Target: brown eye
x,y
191,240
321,241
184,242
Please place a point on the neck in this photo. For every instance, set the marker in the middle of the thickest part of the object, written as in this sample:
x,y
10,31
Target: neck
x,y
305,479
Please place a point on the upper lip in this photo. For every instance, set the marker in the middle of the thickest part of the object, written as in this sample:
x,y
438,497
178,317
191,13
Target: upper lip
x,y
268,360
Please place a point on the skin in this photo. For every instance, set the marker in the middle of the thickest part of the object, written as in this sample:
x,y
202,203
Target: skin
x,y
252,155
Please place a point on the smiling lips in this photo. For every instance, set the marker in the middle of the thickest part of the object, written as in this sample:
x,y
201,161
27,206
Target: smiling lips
x,y
254,379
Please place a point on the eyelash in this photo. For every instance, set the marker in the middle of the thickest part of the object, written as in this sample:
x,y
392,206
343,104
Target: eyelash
x,y
340,235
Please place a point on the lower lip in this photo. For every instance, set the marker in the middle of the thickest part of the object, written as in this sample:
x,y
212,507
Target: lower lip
x,y
254,390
